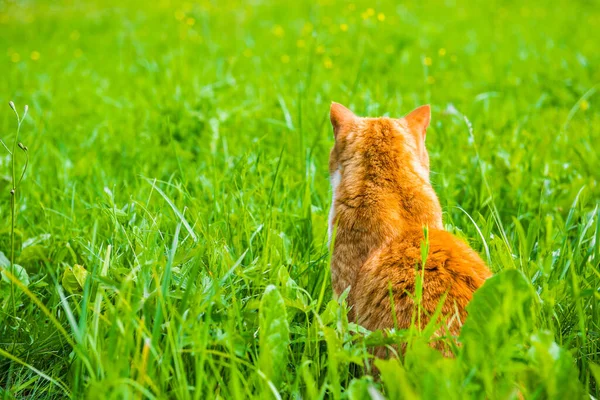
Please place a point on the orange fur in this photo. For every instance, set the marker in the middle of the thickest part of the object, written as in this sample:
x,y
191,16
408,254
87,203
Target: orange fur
x,y
382,201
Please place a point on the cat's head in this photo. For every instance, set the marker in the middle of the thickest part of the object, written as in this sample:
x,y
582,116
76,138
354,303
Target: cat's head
x,y
379,146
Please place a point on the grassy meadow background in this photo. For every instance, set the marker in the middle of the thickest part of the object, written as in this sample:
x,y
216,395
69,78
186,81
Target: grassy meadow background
x,y
172,221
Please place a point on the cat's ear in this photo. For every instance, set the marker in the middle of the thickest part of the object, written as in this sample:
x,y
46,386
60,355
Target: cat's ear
x,y
340,116
418,120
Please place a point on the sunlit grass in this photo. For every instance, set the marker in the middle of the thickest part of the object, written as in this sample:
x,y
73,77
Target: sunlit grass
x,y
178,152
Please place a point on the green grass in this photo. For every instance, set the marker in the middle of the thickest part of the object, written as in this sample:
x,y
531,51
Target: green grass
x,y
178,152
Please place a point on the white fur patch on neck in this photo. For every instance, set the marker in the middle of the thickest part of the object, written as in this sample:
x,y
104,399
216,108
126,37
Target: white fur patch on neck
x,y
336,179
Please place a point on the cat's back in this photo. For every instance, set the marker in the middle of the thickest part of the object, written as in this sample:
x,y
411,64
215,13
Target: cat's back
x,y
452,269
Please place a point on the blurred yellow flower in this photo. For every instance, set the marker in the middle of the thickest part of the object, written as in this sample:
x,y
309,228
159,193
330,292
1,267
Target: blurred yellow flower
x,y
179,15
278,31
584,105
320,49
248,53
15,57
344,27
427,61
190,21
328,63
381,16
285,59
370,12
430,80
35,55
442,52
351,6
301,43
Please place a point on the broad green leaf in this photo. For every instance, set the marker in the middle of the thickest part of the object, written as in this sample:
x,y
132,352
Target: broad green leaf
x,y
362,388
274,335
395,379
80,274
503,305
4,261
74,278
33,257
291,292
19,272
502,315
553,369
334,347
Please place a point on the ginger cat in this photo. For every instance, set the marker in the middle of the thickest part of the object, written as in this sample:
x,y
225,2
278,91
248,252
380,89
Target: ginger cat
x,y
382,200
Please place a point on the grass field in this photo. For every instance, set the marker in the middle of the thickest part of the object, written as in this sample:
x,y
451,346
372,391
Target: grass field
x,y
171,226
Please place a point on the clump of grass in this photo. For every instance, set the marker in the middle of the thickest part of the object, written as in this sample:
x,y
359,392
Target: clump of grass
x,y
9,272
186,173
15,183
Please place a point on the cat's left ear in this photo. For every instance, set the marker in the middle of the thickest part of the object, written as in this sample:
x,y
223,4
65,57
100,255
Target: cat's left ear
x,y
418,120
340,116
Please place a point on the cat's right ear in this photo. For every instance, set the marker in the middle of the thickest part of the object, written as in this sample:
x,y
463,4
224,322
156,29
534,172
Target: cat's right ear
x,y
418,119
339,116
